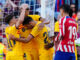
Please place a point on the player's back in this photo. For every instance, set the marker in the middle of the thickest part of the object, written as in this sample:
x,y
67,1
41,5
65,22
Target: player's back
x,y
68,31
40,36
41,39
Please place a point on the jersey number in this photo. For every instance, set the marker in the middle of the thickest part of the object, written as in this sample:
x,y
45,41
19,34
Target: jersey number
x,y
72,32
45,35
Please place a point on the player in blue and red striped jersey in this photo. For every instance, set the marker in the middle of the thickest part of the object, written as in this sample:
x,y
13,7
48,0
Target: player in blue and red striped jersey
x,y
66,36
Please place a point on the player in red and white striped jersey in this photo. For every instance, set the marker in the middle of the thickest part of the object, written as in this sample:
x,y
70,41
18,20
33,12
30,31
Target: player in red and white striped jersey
x,y
67,35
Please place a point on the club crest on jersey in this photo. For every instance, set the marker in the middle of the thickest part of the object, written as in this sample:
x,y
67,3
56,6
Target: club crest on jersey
x,y
23,29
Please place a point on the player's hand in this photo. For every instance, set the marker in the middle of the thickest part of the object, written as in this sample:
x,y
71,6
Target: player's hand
x,y
24,6
11,37
40,26
48,46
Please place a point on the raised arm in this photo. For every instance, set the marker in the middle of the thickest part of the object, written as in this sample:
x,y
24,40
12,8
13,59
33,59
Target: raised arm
x,y
12,4
22,15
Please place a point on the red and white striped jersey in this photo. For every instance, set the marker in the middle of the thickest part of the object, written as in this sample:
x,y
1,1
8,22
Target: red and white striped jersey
x,y
67,34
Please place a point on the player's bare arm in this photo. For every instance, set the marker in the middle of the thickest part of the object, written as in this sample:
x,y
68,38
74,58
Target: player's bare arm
x,y
40,26
12,4
49,45
25,40
22,15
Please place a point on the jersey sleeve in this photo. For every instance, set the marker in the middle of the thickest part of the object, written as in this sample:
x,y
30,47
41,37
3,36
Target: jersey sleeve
x,y
35,31
61,29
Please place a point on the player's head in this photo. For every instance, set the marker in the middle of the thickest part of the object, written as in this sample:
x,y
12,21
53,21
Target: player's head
x,y
65,9
27,9
28,22
10,19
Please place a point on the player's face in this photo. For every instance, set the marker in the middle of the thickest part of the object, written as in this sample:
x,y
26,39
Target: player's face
x,y
13,21
61,11
27,11
73,7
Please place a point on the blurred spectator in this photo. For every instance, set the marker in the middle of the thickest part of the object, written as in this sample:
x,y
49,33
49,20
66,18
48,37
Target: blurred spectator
x,y
16,2
74,10
78,15
3,51
1,15
2,2
11,6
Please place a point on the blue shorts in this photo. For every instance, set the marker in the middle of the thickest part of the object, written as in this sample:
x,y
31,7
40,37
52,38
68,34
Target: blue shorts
x,y
64,56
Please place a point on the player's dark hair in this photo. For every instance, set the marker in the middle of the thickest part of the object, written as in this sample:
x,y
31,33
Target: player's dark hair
x,y
70,13
8,18
66,9
27,19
